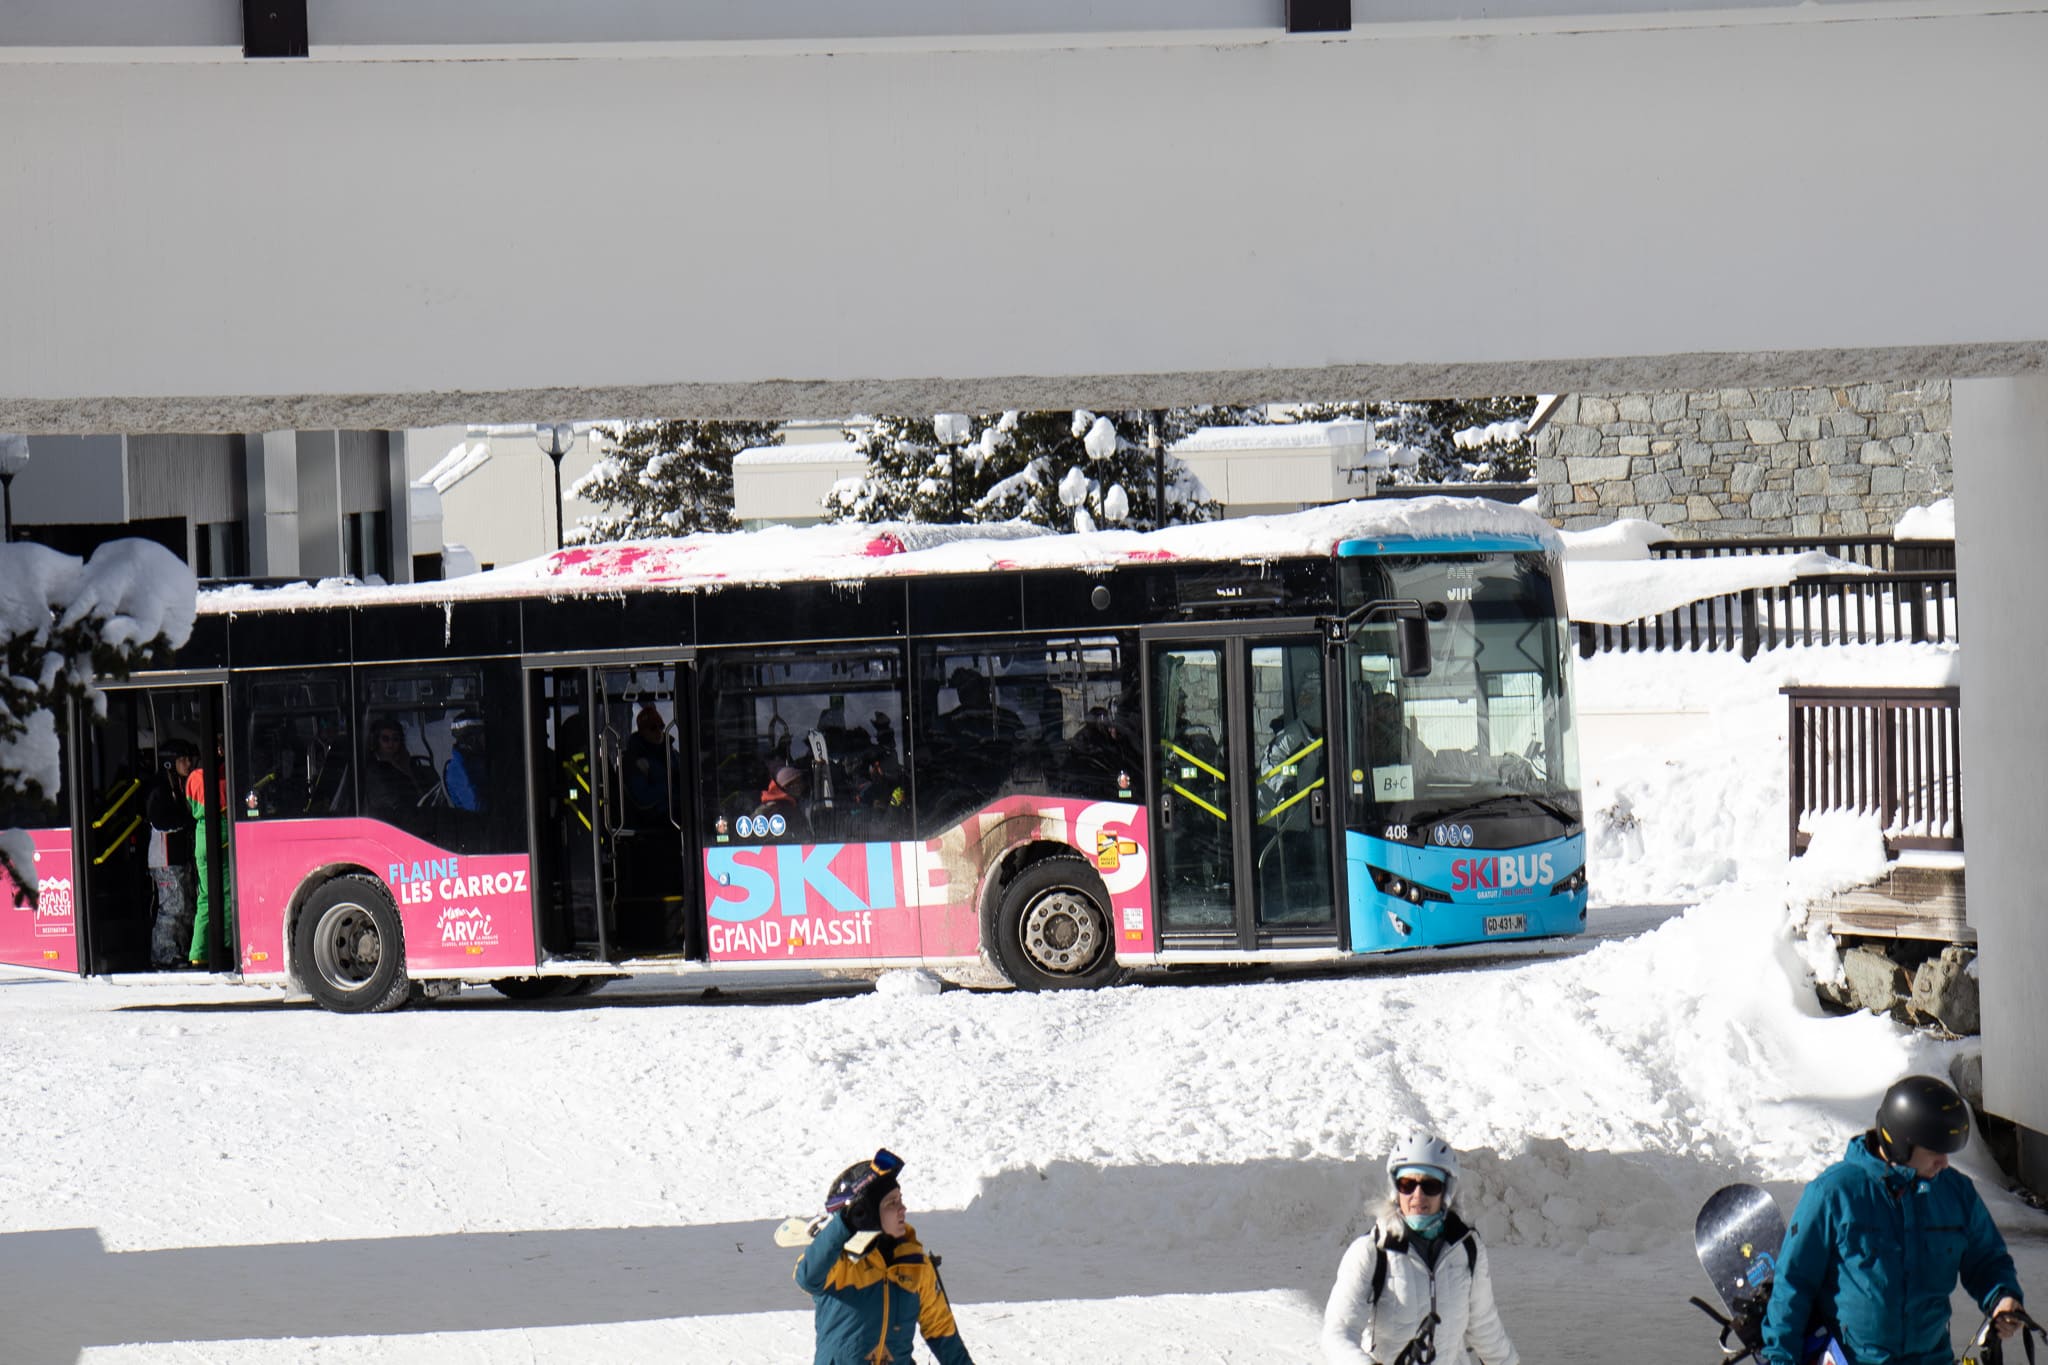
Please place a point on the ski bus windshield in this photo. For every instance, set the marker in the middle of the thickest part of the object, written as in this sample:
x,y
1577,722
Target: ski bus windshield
x,y
1490,723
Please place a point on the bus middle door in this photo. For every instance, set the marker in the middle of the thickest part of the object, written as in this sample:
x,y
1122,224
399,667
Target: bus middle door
x,y
1241,796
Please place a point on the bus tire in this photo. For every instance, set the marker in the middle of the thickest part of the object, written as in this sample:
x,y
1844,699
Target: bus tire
x,y
350,948
1053,928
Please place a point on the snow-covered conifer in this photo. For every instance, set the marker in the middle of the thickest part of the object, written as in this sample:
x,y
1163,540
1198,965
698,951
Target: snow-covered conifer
x,y
1422,438
1077,470
664,478
64,625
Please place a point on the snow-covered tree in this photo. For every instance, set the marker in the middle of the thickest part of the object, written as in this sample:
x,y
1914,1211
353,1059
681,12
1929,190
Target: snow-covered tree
x,y
1065,470
664,478
64,625
1451,440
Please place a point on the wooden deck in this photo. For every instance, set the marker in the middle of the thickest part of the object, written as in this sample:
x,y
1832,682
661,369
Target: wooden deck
x,y
1910,901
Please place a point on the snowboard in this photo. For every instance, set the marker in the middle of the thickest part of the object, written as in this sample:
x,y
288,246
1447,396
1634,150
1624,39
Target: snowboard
x,y
798,1232
1737,1236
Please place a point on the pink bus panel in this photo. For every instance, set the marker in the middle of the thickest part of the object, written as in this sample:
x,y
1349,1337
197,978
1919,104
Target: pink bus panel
x,y
46,936
469,912
913,899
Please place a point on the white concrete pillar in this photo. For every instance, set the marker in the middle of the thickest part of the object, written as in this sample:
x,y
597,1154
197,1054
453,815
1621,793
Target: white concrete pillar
x,y
2000,442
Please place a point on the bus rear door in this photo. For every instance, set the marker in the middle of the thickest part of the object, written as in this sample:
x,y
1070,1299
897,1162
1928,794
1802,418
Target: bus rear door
x,y
612,791
1240,791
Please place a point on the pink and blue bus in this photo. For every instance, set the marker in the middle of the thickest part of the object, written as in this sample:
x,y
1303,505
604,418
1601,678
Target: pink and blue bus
x,y
1040,759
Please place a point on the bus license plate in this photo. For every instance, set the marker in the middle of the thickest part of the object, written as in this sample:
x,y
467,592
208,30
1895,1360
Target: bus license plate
x,y
1506,924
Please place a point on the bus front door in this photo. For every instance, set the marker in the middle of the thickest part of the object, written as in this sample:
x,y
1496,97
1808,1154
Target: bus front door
x,y
611,789
1240,793
150,870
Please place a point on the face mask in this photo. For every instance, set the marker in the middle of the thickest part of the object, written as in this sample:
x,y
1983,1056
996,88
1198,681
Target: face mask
x,y
1425,1224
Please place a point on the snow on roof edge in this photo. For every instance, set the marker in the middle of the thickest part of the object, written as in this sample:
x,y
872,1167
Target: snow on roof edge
x,y
854,552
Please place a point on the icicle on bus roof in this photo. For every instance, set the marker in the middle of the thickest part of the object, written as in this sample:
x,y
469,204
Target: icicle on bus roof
x,y
849,553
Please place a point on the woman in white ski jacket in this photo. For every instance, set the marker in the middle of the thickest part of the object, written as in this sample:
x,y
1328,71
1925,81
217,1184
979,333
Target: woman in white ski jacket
x,y
1417,1288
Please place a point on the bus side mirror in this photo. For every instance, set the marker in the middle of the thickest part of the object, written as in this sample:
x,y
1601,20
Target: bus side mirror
x,y
1414,644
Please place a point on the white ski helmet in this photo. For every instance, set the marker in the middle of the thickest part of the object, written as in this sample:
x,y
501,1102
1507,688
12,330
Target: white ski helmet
x,y
1421,1149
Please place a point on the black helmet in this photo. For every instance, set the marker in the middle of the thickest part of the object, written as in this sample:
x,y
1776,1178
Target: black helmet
x,y
1920,1111
877,1175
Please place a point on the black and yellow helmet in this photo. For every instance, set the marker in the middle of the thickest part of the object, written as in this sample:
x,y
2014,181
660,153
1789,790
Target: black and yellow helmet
x,y
1921,1111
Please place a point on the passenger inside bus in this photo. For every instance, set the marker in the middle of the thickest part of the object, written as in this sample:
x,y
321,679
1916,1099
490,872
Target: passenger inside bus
x,y
1293,762
170,856
653,772
976,715
394,781
466,774
881,798
784,796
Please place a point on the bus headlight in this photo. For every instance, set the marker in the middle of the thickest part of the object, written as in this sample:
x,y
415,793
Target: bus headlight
x,y
1403,888
1571,885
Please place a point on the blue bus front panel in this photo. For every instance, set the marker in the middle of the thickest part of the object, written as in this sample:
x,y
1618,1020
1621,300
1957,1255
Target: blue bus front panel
x,y
1404,896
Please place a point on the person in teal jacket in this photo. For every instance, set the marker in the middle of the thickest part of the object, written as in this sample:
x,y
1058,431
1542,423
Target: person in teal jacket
x,y
870,1279
1880,1237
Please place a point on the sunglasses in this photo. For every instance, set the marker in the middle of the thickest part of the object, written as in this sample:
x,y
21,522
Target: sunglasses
x,y
1409,1184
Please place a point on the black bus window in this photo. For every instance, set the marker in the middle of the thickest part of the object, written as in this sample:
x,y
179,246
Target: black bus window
x,y
292,751
1051,716
794,741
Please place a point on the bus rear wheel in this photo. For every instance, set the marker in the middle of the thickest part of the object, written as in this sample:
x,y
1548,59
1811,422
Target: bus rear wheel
x,y
350,948
1053,929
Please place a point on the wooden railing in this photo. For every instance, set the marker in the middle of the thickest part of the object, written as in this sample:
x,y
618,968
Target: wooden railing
x,y
1872,551
1825,609
1895,753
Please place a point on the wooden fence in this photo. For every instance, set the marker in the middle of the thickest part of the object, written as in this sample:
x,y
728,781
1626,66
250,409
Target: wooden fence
x,y
1826,609
1895,753
1872,551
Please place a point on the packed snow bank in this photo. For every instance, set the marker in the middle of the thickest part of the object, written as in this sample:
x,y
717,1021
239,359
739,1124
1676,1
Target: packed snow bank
x,y
1615,592
1936,521
1705,803
1627,539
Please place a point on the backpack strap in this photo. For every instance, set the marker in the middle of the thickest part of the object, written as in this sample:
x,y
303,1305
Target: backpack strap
x,y
1379,1265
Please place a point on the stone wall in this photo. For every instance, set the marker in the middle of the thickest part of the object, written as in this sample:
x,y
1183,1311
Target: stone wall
x,y
1747,462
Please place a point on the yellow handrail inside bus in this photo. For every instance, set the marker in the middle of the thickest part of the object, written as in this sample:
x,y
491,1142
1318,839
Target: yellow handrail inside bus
x,y
1289,761
1268,816
134,785
1216,773
118,840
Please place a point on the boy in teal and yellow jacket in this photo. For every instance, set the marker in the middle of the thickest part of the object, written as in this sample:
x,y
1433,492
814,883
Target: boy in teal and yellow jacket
x,y
872,1281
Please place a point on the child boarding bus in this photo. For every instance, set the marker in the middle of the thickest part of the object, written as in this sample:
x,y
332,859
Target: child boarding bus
x,y
1047,758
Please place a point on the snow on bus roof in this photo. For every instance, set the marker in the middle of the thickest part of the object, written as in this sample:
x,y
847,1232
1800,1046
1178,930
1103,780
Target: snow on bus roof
x,y
848,552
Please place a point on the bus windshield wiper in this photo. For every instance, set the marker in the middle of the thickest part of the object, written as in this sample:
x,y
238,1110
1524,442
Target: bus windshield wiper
x,y
1467,808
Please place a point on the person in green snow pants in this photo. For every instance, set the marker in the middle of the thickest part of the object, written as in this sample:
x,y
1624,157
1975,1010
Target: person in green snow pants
x,y
203,852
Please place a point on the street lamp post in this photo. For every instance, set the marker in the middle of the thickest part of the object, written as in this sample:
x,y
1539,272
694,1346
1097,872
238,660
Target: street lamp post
x,y
555,438
952,429
13,459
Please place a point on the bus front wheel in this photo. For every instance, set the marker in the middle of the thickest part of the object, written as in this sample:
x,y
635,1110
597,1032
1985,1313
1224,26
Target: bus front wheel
x,y
1053,928
351,948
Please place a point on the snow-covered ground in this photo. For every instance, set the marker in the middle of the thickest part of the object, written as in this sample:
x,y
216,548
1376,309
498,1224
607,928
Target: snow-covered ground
x,y
1154,1173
